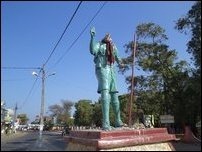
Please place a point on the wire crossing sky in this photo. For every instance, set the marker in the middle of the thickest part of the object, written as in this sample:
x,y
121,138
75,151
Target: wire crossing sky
x,y
29,37
80,34
20,68
63,33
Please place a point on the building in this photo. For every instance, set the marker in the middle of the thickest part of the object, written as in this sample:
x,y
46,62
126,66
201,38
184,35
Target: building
x,y
7,115
3,111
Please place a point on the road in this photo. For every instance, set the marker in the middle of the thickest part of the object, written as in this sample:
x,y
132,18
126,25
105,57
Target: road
x,y
31,141
53,141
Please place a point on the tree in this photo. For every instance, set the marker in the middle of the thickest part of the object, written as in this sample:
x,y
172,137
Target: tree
x,y
83,114
123,99
192,21
67,105
157,88
23,119
97,114
192,90
55,109
48,123
62,112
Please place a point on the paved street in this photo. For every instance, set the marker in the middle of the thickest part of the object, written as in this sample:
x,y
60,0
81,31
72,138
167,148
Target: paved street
x,y
30,141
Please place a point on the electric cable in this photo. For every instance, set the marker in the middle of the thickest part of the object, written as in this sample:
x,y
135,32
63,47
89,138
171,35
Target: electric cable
x,y
63,33
80,34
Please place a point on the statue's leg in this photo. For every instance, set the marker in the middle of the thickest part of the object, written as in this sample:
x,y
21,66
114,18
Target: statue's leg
x,y
116,108
105,110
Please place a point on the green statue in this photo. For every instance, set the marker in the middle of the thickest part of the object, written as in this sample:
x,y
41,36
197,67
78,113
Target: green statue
x,y
105,55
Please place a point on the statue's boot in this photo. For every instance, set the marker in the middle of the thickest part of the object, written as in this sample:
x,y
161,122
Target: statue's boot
x,y
105,110
116,108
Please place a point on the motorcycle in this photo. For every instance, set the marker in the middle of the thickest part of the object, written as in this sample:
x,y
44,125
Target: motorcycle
x,y
65,131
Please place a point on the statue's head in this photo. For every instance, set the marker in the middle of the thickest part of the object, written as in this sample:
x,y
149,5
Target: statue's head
x,y
107,37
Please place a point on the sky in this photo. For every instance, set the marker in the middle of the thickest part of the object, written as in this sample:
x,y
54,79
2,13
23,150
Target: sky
x,y
30,31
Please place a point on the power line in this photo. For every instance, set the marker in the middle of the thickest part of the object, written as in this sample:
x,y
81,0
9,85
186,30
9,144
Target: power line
x,y
24,68
63,33
80,34
30,91
26,99
22,79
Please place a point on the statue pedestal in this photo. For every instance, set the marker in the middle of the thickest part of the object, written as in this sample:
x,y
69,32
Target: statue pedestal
x,y
156,139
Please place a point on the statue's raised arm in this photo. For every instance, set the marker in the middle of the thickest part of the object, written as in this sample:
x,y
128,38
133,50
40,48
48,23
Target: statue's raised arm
x,y
92,32
93,45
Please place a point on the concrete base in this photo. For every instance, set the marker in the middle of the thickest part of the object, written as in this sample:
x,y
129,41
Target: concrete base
x,y
156,139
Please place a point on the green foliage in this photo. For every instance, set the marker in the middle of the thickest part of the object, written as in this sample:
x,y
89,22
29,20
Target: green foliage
x,y
70,122
23,119
97,114
188,109
88,113
124,108
48,125
150,31
192,86
192,21
124,100
83,113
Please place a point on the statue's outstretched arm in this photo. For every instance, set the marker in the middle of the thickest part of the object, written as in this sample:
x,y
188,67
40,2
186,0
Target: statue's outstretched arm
x,y
117,58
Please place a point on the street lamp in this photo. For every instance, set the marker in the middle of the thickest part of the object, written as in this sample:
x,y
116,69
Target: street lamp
x,y
43,77
34,73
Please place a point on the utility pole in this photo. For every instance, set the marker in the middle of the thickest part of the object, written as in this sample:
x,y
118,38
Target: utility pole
x,y
15,114
43,77
42,101
132,82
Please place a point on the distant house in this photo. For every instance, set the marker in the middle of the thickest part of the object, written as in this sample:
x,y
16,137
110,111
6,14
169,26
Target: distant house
x,y
6,116
3,111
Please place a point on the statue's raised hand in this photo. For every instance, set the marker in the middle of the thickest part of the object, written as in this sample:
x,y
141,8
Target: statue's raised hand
x,y
92,31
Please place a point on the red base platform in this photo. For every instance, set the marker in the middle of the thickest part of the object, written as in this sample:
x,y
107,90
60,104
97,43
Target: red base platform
x,y
104,140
